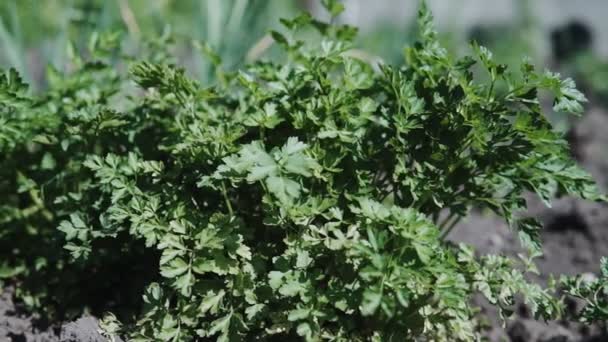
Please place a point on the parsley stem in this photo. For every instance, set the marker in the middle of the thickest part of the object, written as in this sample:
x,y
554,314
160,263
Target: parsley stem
x,y
453,224
228,204
435,217
443,223
491,89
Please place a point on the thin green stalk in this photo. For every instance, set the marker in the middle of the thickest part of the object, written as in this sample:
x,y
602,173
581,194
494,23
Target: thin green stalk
x,y
435,217
450,227
446,220
225,194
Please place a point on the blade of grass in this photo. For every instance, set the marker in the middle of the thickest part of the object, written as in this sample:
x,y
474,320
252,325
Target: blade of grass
x,y
128,17
236,16
259,48
214,15
11,50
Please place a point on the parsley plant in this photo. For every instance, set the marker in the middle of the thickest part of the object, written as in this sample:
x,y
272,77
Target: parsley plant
x,y
303,199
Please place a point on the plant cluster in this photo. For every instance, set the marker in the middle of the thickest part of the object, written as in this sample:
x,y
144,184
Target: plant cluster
x,y
303,199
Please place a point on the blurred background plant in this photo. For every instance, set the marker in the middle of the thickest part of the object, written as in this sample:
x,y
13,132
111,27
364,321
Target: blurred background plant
x,y
36,32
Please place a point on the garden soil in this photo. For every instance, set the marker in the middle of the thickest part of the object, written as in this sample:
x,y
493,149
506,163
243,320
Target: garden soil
x,y
18,326
575,237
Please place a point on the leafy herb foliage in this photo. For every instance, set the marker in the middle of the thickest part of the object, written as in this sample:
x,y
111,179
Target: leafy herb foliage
x,y
307,199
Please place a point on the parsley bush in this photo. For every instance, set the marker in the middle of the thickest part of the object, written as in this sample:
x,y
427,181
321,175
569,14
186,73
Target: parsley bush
x,y
306,199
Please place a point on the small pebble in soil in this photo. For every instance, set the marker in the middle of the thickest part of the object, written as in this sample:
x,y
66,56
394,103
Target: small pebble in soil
x,y
588,277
